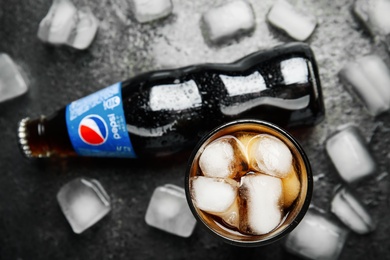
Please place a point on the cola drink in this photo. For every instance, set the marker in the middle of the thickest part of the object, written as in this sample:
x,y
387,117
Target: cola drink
x,y
163,112
249,182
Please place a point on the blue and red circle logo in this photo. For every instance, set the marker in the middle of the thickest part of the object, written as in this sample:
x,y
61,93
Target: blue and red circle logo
x,y
93,130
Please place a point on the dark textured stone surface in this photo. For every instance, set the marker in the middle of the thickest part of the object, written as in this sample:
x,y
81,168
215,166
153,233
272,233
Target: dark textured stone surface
x,y
31,223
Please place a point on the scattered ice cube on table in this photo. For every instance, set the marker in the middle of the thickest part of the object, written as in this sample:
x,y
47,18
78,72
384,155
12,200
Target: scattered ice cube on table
x,y
351,212
85,30
369,78
287,18
262,195
223,158
168,210
213,195
350,155
59,22
83,202
227,21
65,25
270,155
316,237
374,15
12,83
149,10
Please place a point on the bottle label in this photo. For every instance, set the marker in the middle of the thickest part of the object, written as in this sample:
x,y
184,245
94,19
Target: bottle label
x,y
97,126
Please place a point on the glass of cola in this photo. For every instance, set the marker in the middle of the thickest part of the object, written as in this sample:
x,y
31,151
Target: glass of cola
x,y
249,182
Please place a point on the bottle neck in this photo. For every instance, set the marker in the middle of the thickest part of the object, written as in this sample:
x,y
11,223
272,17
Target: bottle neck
x,y
40,138
31,134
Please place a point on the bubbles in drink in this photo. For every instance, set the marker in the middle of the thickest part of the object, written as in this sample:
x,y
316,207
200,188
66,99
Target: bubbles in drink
x,y
246,182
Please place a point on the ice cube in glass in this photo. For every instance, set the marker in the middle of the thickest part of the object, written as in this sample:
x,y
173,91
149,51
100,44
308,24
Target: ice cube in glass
x,y
351,211
316,237
149,10
349,153
261,195
12,82
168,211
294,23
83,202
369,78
223,158
227,21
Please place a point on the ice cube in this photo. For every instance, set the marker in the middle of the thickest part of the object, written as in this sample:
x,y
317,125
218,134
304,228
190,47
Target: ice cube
x,y
83,202
231,216
228,21
85,29
287,18
262,195
65,25
374,15
149,10
351,212
57,25
168,210
291,188
316,237
349,153
12,83
369,78
270,155
224,157
213,195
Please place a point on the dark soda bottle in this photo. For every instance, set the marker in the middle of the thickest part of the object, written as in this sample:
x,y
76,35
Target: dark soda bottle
x,y
163,112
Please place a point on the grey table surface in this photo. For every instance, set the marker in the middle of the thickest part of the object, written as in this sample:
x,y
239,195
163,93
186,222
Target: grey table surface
x,y
31,223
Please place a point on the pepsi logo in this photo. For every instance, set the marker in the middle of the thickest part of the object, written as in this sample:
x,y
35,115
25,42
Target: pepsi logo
x,y
93,130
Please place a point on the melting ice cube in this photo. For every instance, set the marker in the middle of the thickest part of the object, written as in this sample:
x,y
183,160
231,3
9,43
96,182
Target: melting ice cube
x,y
369,77
262,195
349,153
12,83
168,210
223,158
270,155
64,24
149,10
316,237
351,212
228,20
296,24
83,202
213,195
57,25
85,30
374,15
